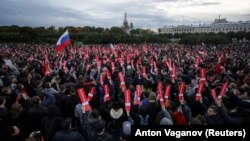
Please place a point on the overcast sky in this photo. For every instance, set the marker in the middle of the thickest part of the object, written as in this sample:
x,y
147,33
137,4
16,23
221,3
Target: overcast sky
x,y
107,13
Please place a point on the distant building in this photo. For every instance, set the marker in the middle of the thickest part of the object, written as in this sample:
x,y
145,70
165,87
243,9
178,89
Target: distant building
x,y
126,26
219,25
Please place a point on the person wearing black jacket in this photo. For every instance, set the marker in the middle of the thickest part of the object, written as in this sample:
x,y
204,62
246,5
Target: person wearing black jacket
x,y
67,133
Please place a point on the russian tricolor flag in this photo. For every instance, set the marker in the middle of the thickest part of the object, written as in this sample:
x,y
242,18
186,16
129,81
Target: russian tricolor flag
x,y
63,41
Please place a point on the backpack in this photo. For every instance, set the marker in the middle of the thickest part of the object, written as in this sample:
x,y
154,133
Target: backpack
x,y
143,121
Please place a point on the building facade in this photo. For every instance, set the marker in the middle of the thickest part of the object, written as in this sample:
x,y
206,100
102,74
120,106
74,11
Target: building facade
x,y
219,25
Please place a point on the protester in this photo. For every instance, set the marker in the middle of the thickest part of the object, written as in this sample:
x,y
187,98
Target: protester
x,y
167,85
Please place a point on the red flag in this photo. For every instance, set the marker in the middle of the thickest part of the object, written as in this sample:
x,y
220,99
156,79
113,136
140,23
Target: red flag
x,y
167,92
202,75
128,58
138,93
199,91
155,67
213,93
47,70
173,73
113,66
83,98
197,62
223,90
160,95
91,93
127,100
144,71
108,74
106,93
86,55
181,90
96,58
169,64
121,77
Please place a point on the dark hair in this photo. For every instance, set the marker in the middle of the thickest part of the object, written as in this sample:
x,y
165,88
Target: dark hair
x,y
116,105
72,90
47,85
215,108
65,125
95,113
202,119
195,121
2,98
35,100
62,87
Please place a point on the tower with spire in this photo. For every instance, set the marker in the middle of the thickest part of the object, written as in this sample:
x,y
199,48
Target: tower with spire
x,y
126,26
125,22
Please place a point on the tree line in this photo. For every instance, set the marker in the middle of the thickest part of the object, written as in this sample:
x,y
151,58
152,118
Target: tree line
x,y
99,35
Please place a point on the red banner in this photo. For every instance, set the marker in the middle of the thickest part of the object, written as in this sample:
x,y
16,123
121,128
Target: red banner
x,y
91,93
121,77
202,75
167,92
138,93
173,73
83,99
106,93
181,90
160,93
127,100
223,90
144,71
199,91
108,74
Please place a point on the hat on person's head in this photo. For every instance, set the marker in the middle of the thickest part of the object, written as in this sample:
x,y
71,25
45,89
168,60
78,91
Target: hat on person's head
x,y
104,69
99,126
126,127
65,125
128,67
116,113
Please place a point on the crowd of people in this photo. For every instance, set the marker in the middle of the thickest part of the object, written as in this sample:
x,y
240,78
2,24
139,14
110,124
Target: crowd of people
x,y
96,92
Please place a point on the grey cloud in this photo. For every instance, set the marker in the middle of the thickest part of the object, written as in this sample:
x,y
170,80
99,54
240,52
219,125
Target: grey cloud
x,y
210,3
200,3
247,15
39,14
166,1
142,14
